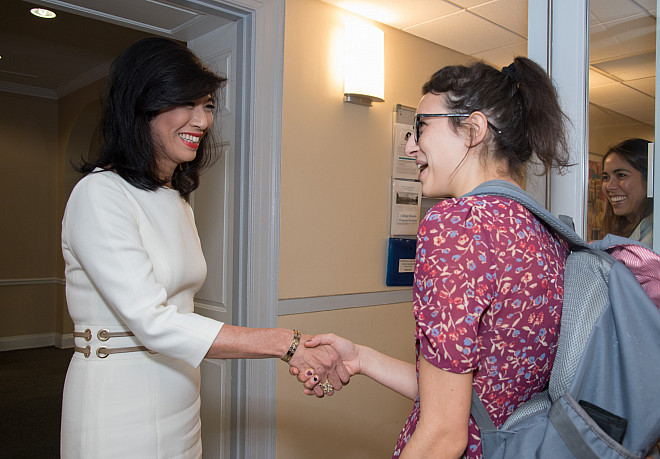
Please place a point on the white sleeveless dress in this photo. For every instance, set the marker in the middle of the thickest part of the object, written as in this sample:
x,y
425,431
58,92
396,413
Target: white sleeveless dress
x,y
133,263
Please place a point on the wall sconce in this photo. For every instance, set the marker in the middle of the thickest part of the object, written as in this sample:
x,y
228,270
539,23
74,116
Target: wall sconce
x,y
364,67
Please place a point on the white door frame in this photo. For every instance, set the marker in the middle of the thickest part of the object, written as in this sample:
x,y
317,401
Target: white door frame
x,y
260,61
258,152
559,41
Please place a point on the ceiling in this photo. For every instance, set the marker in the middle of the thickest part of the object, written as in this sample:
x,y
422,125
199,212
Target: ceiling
x,y
53,57
622,40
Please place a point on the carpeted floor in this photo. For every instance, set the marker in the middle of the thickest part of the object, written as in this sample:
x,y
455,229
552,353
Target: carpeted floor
x,y
31,382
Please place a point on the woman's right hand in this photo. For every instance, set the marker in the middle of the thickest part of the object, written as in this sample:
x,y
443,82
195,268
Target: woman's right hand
x,y
348,351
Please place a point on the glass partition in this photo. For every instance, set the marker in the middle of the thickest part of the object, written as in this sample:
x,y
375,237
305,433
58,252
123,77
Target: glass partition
x,y
621,107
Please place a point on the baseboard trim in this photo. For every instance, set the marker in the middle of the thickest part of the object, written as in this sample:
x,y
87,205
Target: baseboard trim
x,y
64,341
32,281
14,343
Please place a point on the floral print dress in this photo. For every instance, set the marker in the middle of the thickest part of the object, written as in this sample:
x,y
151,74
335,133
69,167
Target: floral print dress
x,y
487,299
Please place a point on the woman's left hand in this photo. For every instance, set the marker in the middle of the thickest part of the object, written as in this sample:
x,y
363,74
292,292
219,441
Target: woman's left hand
x,y
322,362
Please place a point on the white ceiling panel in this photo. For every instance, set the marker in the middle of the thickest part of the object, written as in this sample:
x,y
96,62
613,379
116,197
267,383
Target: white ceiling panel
x,y
396,13
610,10
593,20
597,79
470,3
648,5
634,99
152,16
626,101
622,38
605,118
639,29
643,113
167,16
645,85
630,67
510,14
457,32
606,94
501,57
616,94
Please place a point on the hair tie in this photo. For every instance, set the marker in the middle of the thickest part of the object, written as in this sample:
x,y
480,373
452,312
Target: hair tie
x,y
511,72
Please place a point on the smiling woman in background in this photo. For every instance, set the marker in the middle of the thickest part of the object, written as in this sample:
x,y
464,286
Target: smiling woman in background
x,y
628,212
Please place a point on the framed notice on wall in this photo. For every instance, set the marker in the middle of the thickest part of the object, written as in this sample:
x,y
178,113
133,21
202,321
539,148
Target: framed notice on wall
x,y
403,167
406,207
406,190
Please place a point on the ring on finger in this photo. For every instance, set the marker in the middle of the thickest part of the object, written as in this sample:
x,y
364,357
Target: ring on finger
x,y
327,387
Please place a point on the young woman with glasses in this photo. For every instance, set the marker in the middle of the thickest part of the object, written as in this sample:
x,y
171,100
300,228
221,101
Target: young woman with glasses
x,y
488,284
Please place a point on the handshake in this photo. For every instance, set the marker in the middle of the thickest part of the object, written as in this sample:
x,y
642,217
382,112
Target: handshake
x,y
323,363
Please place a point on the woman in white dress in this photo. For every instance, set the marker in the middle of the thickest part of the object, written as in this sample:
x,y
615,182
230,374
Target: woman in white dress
x,y
134,263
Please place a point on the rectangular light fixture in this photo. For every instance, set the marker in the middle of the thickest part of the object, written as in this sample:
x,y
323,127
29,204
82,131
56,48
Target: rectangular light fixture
x,y
364,67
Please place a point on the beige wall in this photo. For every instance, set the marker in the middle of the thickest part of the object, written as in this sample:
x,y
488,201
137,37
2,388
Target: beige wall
x,y
361,421
77,133
28,238
336,157
334,225
36,135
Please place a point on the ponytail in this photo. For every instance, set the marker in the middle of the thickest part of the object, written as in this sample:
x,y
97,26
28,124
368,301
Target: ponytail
x,y
520,101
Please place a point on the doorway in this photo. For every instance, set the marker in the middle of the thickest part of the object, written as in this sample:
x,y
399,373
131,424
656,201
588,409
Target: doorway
x,y
258,29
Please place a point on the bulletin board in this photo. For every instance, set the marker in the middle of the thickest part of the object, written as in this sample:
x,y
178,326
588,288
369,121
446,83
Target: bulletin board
x,y
406,189
406,202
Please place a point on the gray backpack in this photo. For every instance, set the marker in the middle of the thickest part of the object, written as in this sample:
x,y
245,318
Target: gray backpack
x,y
603,398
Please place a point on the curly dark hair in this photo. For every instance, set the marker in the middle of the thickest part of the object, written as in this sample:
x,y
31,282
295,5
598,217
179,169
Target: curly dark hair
x,y
151,75
520,101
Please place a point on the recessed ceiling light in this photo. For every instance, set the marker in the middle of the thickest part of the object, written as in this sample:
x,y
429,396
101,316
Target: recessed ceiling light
x,y
42,13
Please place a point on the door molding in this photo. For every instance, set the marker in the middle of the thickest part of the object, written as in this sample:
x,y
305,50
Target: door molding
x,y
260,60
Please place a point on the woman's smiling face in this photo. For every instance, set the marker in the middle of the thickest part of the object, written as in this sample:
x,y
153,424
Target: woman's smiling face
x,y
623,185
438,151
177,132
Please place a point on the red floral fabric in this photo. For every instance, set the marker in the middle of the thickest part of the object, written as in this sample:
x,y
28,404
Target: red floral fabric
x,y
487,299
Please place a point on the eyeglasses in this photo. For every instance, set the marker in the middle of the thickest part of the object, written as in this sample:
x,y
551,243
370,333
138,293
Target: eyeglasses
x,y
444,115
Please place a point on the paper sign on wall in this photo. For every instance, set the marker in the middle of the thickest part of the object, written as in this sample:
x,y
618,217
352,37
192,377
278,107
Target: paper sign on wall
x,y
404,166
406,206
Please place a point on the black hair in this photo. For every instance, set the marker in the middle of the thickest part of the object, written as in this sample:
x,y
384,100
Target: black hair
x,y
521,105
151,75
634,152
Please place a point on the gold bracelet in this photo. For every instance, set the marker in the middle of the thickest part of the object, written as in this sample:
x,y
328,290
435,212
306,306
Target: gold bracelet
x,y
293,347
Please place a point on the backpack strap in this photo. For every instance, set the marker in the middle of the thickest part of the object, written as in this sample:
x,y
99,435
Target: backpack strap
x,y
479,413
568,432
558,416
612,240
511,191
575,242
